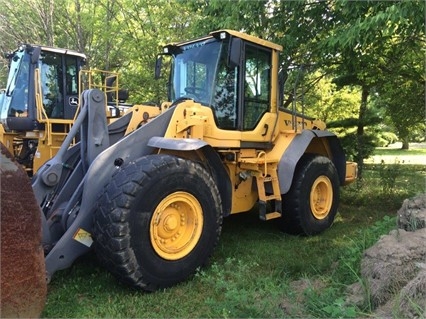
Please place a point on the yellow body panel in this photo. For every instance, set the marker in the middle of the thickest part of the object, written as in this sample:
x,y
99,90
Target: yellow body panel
x,y
258,166
141,114
7,139
251,38
351,172
192,120
46,151
244,195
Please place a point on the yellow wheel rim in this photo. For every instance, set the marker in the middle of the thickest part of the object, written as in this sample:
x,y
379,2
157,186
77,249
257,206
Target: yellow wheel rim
x,y
176,225
321,197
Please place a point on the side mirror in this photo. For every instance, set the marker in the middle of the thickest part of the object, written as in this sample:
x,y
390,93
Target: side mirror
x,y
158,64
123,95
235,52
35,55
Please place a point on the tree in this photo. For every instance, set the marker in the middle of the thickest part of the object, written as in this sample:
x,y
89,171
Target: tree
x,y
116,35
402,89
357,50
374,46
26,21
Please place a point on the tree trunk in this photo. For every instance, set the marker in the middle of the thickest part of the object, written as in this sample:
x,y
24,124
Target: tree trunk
x,y
405,144
360,131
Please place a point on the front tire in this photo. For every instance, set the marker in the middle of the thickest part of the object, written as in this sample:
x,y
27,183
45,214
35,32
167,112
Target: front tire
x,y
311,204
158,220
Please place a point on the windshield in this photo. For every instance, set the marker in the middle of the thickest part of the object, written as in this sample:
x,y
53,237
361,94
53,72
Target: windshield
x,y
15,100
200,72
193,71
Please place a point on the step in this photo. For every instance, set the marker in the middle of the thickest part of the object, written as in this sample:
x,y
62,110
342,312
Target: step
x,y
269,216
263,215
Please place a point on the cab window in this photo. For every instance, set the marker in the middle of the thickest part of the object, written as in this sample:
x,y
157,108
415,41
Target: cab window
x,y
257,84
71,76
52,85
225,97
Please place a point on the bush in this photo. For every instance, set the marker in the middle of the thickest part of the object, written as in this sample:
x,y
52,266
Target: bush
x,y
388,175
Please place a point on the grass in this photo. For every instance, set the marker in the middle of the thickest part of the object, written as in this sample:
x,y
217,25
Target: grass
x,y
397,155
399,152
256,271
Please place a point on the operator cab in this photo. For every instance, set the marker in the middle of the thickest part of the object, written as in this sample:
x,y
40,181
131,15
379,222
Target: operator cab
x,y
58,71
227,71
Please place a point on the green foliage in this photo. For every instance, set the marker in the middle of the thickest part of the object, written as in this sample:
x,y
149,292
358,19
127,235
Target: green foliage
x,y
238,291
376,44
120,35
409,182
358,147
385,138
349,268
388,175
328,303
322,99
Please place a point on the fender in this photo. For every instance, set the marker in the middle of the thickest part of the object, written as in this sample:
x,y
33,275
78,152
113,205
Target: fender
x,y
214,163
296,149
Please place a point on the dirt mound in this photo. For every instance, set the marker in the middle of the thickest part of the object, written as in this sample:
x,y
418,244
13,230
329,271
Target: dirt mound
x,y
412,214
394,269
23,281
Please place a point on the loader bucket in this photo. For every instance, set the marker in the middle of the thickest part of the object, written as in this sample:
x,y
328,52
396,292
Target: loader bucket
x,y
23,281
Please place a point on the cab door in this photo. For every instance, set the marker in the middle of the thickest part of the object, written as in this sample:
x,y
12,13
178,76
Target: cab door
x,y
59,82
257,107
245,104
51,76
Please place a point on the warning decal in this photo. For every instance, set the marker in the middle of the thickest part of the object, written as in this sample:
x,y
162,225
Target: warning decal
x,y
83,237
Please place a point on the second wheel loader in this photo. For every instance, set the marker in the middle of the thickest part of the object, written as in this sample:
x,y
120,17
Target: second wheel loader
x,y
149,192
41,99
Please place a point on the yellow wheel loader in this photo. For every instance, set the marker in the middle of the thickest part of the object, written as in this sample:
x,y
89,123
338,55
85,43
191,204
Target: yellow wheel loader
x,y
41,99
148,192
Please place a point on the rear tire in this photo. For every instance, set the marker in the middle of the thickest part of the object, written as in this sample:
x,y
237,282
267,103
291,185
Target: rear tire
x,y
158,220
311,204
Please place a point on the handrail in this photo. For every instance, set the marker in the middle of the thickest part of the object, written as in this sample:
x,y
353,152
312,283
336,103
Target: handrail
x,y
98,79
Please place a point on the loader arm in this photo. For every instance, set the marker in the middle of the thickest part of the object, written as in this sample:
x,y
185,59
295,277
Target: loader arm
x,y
66,187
